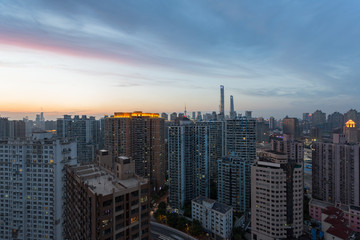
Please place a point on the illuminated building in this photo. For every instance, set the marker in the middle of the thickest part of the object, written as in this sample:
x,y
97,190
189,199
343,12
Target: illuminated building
x,y
188,156
32,183
276,197
351,132
106,204
141,137
335,171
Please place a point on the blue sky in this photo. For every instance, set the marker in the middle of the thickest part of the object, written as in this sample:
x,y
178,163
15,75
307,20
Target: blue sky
x,y
96,57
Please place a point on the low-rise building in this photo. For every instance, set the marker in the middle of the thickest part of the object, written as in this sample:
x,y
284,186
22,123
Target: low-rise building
x,y
216,218
350,213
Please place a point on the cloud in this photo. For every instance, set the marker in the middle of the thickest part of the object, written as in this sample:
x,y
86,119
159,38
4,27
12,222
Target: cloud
x,y
291,50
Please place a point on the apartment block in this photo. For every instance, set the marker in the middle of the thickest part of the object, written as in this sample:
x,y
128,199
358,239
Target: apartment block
x,y
276,197
139,136
335,171
188,156
85,130
32,185
104,204
233,183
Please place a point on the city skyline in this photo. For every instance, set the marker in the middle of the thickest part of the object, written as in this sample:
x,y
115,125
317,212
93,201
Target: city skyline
x,y
276,58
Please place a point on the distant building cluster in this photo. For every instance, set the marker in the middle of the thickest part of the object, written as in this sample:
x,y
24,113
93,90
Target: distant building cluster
x,y
85,178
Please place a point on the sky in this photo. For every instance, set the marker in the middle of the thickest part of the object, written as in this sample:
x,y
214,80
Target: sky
x,y
95,57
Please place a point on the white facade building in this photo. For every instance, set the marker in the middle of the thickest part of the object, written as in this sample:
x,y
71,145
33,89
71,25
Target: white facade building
x,y
215,217
31,186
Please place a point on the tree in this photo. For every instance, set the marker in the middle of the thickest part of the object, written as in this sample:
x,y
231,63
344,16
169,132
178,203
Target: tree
x,y
162,205
181,223
238,233
196,228
187,210
172,219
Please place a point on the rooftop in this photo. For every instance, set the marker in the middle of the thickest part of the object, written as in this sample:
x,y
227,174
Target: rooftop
x,y
216,206
102,182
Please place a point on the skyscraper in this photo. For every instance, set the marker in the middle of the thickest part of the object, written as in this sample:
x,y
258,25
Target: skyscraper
x,y
188,156
139,136
232,111
222,103
276,197
32,181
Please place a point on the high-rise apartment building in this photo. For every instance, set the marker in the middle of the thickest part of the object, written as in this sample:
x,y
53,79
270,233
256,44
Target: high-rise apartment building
x,y
318,119
105,203
276,197
188,160
139,136
335,171
165,116
335,121
272,123
240,138
32,183
216,131
291,126
85,130
233,182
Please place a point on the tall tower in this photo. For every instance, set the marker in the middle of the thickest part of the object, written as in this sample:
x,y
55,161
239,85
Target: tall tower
x,y
222,111
232,112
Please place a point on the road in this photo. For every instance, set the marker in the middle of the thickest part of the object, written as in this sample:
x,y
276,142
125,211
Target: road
x,y
162,232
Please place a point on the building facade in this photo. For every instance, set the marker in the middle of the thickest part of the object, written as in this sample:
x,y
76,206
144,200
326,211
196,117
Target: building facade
x,y
188,160
106,204
233,183
276,197
85,130
216,218
32,184
140,136
335,171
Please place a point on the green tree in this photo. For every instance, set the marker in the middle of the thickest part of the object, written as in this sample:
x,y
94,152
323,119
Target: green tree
x,y
238,234
181,223
172,219
187,210
162,205
196,228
